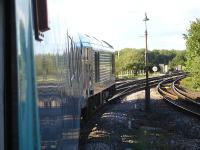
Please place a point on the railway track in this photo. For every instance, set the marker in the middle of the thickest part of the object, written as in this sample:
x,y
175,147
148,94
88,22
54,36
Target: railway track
x,y
116,126
127,87
121,83
176,96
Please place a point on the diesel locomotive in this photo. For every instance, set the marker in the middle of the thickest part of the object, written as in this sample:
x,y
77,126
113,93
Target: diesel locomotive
x,y
72,82
50,78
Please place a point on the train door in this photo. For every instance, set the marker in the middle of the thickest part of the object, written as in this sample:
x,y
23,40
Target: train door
x,y
1,77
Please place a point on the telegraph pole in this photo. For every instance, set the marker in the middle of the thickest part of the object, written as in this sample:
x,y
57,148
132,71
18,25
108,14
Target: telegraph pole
x,y
147,89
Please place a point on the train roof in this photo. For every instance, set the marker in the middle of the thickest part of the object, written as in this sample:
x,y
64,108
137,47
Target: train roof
x,y
90,41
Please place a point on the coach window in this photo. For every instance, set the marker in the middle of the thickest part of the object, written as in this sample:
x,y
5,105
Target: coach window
x,y
40,18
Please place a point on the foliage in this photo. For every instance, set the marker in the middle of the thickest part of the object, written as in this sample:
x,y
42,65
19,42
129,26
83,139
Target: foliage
x,y
45,63
161,56
193,52
130,59
133,59
190,84
180,59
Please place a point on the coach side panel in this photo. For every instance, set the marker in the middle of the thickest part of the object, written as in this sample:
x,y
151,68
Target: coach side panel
x,y
103,70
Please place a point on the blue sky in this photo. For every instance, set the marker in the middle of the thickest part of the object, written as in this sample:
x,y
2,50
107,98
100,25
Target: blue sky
x,y
119,22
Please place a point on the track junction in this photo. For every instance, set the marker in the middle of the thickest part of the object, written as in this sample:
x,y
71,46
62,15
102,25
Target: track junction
x,y
124,124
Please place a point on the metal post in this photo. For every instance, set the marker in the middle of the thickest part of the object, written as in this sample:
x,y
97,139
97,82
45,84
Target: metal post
x,y
147,89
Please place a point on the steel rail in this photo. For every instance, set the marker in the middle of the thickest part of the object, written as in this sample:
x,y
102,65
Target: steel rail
x,y
131,81
184,94
138,86
181,103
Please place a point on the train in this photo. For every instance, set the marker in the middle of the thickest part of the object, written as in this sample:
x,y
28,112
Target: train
x,y
72,85
51,78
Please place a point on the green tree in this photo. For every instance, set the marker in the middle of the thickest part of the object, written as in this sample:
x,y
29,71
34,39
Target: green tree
x,y
130,59
161,56
133,59
180,59
193,51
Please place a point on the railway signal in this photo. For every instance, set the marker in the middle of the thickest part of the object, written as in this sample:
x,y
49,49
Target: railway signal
x,y
147,89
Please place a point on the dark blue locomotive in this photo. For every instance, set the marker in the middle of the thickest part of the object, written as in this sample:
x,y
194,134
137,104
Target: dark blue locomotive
x,y
50,78
72,81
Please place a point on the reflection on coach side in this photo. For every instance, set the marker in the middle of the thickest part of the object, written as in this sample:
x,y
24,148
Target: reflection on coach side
x,y
58,70
59,120
59,99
